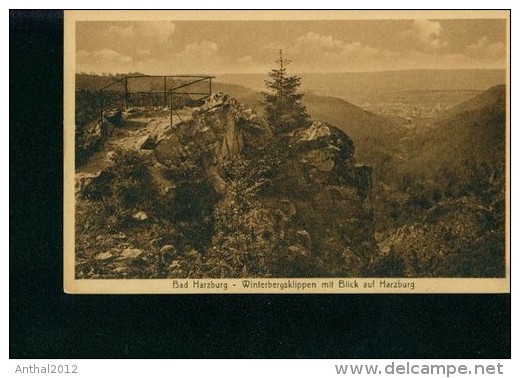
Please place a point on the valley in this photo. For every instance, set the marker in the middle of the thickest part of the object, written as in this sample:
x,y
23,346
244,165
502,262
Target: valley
x,y
429,149
433,206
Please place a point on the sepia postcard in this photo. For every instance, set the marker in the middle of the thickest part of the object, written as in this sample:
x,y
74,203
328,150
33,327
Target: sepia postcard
x,y
287,152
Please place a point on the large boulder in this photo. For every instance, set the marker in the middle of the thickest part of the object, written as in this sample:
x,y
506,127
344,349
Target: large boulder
x,y
325,155
322,135
218,129
90,138
336,207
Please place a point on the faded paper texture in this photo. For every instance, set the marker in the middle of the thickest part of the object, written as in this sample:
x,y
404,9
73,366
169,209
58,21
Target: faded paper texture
x,y
287,152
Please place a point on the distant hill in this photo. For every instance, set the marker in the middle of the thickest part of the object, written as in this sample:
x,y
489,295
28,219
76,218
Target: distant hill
x,y
448,208
246,96
92,83
492,98
376,138
471,131
351,84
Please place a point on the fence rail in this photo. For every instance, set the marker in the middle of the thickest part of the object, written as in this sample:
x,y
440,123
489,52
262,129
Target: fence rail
x,y
154,90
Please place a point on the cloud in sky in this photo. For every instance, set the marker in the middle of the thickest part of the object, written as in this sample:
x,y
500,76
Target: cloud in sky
x,y
202,56
200,50
122,46
219,47
158,31
109,59
313,49
485,49
122,31
424,35
245,59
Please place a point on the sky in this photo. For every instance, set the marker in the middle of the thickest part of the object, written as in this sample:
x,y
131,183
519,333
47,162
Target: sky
x,y
222,47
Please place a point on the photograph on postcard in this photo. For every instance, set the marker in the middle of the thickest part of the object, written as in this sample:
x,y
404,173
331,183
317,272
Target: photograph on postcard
x,y
287,151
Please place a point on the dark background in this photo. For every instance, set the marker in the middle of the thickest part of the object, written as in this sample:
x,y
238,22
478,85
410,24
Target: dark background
x,y
46,323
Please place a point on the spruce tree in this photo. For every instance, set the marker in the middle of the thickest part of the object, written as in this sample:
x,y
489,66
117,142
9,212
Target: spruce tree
x,y
283,103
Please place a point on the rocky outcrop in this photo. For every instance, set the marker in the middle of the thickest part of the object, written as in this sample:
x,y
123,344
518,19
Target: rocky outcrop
x,y
336,205
324,156
91,138
323,149
230,198
298,207
218,129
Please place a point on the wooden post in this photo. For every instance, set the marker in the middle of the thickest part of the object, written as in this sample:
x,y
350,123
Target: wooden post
x,y
171,109
210,85
126,92
165,98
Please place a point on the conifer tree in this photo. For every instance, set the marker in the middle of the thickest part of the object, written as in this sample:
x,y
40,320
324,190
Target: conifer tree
x,y
283,103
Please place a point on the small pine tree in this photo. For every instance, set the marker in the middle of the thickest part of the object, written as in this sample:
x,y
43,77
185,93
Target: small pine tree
x,y
283,104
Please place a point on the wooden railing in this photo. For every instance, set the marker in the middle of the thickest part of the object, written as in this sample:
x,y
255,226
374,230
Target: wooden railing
x,y
166,91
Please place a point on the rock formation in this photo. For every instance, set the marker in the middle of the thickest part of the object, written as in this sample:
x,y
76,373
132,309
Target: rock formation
x,y
251,202
218,130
